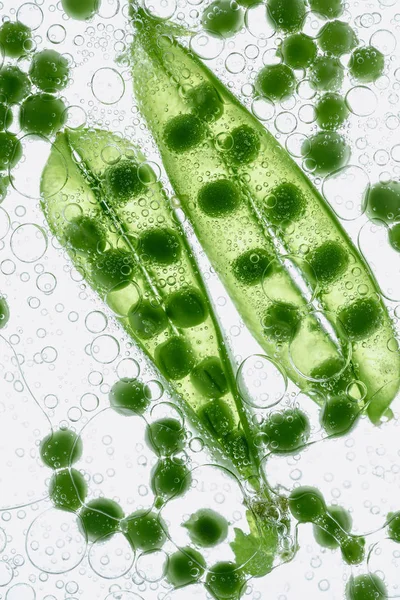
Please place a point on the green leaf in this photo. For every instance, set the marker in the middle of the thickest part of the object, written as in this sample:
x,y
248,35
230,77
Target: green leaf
x,y
255,554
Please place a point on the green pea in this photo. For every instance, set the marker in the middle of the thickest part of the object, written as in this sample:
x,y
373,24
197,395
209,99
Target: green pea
x,y
242,145
366,587
331,111
174,358
183,133
394,237
4,183
328,369
222,18
276,82
128,397
298,51
326,74
145,530
185,567
170,477
49,71
147,320
353,550
329,261
337,38
281,321
362,318
85,234
327,9
161,246
394,526
325,152
249,267
225,580
383,201
80,9
113,269
206,102
4,312
217,416
101,518
16,39
68,489
14,84
307,504
61,449
325,536
123,182
208,377
207,528
287,430
42,114
165,436
236,446
186,308
6,116
339,414
286,15
10,150
219,198
285,204
366,64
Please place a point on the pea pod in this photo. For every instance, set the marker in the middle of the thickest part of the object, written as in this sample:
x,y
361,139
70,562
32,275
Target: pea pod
x,y
114,219
250,203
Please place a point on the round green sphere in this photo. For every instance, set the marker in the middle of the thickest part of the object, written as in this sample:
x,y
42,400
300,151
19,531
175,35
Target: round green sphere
x,y
209,379
206,102
161,246
325,536
42,114
145,530
186,308
223,18
325,152
331,111
14,84
49,71
287,430
393,527
81,10
383,201
123,181
207,528
165,436
101,518
225,580
217,416
128,397
185,567
183,133
366,64
276,82
285,204
307,504
170,478
338,415
10,150
16,39
326,74
361,318
286,15
4,312
337,38
394,237
242,145
4,183
366,587
61,449
249,267
298,51
68,489
174,358
6,116
219,198
281,321
147,319
85,234
113,269
328,261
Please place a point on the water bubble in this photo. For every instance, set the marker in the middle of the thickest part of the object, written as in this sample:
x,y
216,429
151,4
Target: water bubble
x,y
6,573
96,321
104,349
285,122
3,539
128,367
263,109
123,595
345,191
46,283
257,23
108,9
108,86
31,15
361,101
384,41
235,62
89,402
294,143
75,117
4,223
205,46
111,557
21,591
261,382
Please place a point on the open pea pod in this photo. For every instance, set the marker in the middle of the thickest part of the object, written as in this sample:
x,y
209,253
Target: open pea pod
x,y
115,221
250,204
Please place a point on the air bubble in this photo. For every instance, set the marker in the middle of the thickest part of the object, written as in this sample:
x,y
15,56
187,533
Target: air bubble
x,y
261,382
108,86
28,243
361,101
104,349
56,34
